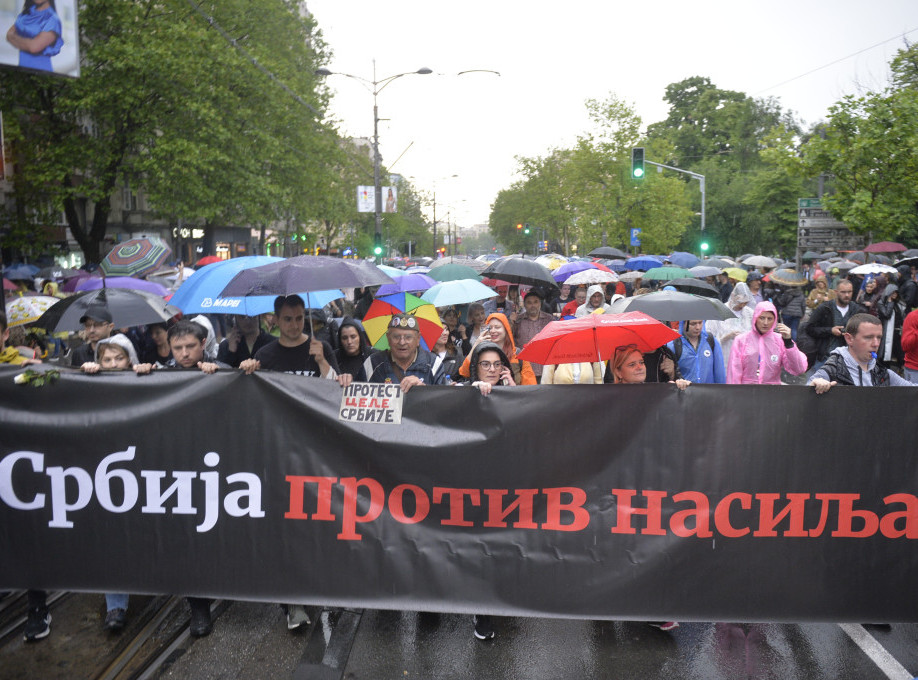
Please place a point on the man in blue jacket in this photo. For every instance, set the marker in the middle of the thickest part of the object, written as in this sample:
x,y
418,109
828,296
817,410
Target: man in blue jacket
x,y
699,354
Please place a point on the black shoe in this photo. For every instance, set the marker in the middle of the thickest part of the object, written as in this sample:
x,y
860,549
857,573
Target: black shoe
x,y
201,624
115,619
484,630
38,625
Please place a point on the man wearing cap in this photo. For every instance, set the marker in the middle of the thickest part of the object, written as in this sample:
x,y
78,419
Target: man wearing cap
x,y
754,281
405,363
530,323
97,325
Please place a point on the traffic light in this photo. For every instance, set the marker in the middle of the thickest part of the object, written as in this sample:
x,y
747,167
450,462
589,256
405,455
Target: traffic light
x,y
519,226
704,247
377,245
637,162
526,228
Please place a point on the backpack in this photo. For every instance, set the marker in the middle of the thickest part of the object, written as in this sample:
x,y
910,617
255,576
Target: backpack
x,y
677,345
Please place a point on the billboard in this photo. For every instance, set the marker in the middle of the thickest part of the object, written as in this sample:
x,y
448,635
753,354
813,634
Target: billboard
x,y
40,36
366,199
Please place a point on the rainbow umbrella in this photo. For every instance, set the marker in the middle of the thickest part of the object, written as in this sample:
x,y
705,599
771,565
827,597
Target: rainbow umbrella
x,y
135,257
376,320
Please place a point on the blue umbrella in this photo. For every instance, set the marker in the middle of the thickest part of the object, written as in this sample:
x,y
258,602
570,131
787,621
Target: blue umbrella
x,y
683,259
20,272
201,293
409,283
643,262
458,292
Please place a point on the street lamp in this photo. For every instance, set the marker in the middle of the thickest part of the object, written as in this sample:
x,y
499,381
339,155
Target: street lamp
x,y
375,86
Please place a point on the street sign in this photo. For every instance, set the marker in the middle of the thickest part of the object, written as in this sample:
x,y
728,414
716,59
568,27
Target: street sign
x,y
635,237
818,229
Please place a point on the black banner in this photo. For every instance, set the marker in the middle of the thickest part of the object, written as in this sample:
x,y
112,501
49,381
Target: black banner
x,y
750,503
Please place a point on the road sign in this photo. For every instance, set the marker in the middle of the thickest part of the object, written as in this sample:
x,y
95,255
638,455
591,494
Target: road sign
x,y
635,237
818,229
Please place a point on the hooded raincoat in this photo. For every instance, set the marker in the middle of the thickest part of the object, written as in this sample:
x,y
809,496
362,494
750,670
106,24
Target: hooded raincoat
x,y
757,358
587,308
522,370
702,365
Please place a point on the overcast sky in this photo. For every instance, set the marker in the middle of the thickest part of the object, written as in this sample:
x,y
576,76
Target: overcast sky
x,y
553,56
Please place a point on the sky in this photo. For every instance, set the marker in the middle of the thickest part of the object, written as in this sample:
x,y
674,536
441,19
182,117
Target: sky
x,y
552,57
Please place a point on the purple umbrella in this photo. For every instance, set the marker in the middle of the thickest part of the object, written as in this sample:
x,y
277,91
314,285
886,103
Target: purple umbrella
x,y
565,271
71,284
129,282
410,283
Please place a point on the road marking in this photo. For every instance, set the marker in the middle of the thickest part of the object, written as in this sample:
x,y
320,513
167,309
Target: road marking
x,y
877,652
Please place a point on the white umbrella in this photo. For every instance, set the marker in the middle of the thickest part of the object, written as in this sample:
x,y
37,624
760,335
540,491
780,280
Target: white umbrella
x,y
458,292
702,271
760,261
873,268
590,276
630,276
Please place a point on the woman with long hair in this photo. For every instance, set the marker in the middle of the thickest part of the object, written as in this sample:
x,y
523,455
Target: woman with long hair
x,y
37,34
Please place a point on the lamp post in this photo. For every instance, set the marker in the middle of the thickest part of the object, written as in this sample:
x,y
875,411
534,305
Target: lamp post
x,y
375,86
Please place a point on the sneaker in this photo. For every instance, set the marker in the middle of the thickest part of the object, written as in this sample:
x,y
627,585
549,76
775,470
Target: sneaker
x,y
38,625
664,625
115,619
484,630
297,616
201,623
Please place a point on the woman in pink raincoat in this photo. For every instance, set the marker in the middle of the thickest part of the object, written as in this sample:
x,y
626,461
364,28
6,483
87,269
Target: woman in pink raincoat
x,y
757,356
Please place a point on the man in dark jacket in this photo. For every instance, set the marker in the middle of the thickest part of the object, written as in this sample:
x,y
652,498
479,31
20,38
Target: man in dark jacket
x,y
908,289
827,325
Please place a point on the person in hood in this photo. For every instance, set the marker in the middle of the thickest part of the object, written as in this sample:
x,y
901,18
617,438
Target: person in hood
x,y
908,289
871,293
910,346
856,363
596,300
499,332
698,354
728,330
820,293
353,348
116,353
758,355
891,312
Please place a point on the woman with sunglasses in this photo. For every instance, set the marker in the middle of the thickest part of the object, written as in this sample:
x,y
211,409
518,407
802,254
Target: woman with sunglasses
x,y
628,368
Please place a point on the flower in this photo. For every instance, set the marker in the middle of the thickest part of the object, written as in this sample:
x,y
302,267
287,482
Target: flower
x,y
36,379
21,379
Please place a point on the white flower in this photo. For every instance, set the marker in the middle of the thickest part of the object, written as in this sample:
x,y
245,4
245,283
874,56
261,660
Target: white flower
x,y
21,379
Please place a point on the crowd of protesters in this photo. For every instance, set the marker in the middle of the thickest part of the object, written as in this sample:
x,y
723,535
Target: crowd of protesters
x,y
843,331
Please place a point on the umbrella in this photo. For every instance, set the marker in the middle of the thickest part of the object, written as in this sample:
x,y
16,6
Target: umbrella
x,y
551,260
416,269
410,283
874,268
9,285
23,310
588,277
762,261
811,255
885,247
643,262
20,272
911,252
595,338
675,306
135,257
910,261
716,262
201,294
828,254
126,282
564,272
376,320
683,259
302,274
391,271
206,260
882,259
477,265
858,256
666,273
696,287
520,270
702,271
453,272
736,273
57,273
787,277
630,276
844,265
127,308
460,292
608,251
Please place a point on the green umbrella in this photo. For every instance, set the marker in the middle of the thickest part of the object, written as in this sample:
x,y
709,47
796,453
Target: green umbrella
x,y
453,272
667,274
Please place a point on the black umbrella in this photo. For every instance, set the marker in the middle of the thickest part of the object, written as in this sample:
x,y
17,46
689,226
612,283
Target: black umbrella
x,y
858,256
829,254
126,307
304,274
911,252
608,251
811,255
669,306
695,286
910,261
519,270
715,262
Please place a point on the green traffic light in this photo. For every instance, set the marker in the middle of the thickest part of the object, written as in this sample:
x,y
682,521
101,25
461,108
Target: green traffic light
x,y
639,172
704,247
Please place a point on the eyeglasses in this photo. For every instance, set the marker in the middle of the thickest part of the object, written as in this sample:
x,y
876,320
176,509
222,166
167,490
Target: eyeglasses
x,y
401,338
89,323
490,365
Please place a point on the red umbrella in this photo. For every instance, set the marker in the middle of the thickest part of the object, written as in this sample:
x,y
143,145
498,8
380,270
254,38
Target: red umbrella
x,y
208,259
9,285
885,247
594,338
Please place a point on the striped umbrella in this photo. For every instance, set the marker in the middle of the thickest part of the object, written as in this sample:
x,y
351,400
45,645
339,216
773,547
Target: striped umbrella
x,y
136,257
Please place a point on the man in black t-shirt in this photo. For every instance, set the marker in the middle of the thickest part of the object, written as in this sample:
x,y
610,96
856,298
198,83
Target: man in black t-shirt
x,y
295,351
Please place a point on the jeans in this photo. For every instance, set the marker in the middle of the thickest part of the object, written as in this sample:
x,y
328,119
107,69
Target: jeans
x,y
792,322
911,375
